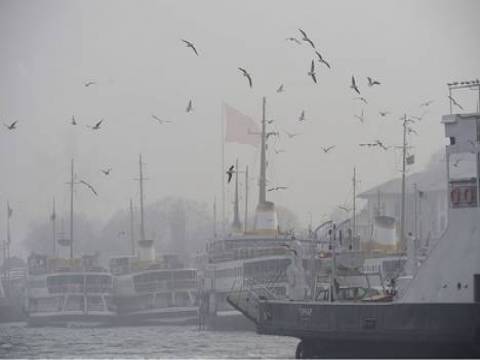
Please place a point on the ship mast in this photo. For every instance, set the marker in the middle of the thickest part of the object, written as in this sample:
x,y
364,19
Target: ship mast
x,y
54,218
354,227
142,224
263,183
71,208
236,226
402,216
132,233
246,201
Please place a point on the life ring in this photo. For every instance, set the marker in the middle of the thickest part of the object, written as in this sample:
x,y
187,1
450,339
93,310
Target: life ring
x,y
468,195
455,196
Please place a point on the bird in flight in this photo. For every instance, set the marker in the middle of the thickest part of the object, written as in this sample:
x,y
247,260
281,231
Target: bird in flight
x,y
89,83
230,172
312,72
457,162
278,188
381,144
426,103
322,60
160,120
291,135
327,149
344,208
368,144
353,86
190,45
384,113
74,121
360,117
189,107
97,125
106,172
410,131
302,116
372,82
279,151
289,248
361,98
12,126
454,102
280,89
89,186
306,38
293,39
247,75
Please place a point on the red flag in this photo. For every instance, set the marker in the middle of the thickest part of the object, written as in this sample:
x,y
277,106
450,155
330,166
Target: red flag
x,y
240,128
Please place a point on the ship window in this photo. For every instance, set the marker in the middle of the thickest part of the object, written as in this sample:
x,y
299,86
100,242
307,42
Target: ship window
x,y
462,169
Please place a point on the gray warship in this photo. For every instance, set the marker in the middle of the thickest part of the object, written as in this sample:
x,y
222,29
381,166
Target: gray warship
x,y
438,312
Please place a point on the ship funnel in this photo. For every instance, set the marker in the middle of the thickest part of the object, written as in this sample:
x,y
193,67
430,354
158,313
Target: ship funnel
x,y
266,222
384,238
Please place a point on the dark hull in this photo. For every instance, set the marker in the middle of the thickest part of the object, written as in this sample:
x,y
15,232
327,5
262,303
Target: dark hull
x,y
375,330
154,317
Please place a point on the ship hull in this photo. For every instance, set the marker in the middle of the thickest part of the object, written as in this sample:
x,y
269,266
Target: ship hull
x,y
168,316
375,330
72,319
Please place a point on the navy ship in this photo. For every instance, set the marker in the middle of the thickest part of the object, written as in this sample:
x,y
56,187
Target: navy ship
x,y
437,314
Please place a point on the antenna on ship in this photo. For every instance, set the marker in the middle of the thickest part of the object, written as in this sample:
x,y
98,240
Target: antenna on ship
x,y
262,198
142,224
354,227
53,218
246,201
236,225
71,208
146,250
132,232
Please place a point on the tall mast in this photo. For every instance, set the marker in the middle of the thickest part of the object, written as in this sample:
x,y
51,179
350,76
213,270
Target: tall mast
x,y
237,226
215,218
71,209
354,227
142,225
132,233
402,218
262,183
54,218
246,201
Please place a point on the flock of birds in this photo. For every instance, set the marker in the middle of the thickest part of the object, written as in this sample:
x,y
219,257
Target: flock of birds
x,y
311,73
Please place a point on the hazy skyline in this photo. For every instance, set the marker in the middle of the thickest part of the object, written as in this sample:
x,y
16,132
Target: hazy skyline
x,y
134,53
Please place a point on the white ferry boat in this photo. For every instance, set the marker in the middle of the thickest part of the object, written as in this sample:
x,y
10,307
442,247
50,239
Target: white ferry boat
x,y
68,292
151,289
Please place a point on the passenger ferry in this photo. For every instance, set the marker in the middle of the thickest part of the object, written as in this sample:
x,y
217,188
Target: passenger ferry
x,y
68,291
152,289
157,291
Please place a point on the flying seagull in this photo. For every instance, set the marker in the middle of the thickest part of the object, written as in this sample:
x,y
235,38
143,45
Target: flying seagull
x,y
160,120
295,40
302,116
354,86
73,122
88,83
372,82
12,126
189,107
361,98
410,131
426,103
278,188
322,60
306,38
97,125
327,149
291,135
280,89
279,151
89,186
312,72
344,208
106,172
383,113
454,102
247,75
190,45
230,172
360,117
381,144
457,162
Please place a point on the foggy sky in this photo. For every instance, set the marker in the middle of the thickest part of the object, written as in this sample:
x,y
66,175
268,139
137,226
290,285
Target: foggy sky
x,y
132,49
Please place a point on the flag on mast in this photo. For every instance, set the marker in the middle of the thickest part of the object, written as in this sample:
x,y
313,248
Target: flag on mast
x,y
240,128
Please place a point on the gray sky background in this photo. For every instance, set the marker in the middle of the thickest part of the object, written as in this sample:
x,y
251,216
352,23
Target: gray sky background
x,y
132,49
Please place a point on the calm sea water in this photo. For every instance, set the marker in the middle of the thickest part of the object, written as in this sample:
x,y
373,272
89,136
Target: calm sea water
x,y
19,341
